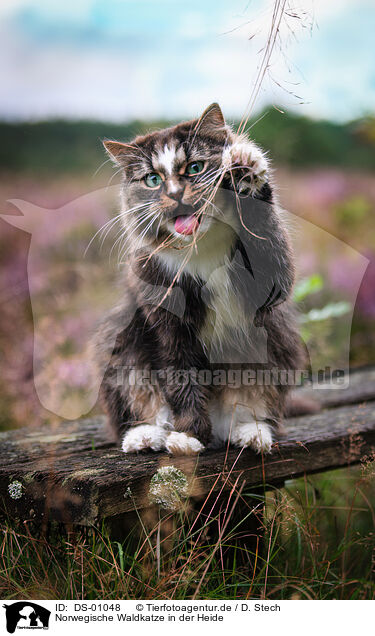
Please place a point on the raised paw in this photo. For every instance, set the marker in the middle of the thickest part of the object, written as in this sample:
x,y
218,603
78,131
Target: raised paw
x,y
256,435
144,436
183,444
247,163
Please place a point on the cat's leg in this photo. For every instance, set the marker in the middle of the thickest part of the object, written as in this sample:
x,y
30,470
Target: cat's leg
x,y
243,421
191,420
143,420
247,164
192,427
174,426
136,413
117,405
186,398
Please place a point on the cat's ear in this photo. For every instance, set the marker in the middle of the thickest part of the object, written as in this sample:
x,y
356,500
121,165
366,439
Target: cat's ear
x,y
117,151
212,122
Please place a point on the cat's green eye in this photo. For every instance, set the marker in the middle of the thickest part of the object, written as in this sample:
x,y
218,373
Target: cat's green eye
x,y
153,180
194,167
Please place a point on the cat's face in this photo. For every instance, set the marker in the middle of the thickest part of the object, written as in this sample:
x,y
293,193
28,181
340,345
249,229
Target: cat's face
x,y
169,177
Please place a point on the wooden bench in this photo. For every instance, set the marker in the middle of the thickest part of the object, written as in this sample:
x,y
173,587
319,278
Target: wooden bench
x,y
72,473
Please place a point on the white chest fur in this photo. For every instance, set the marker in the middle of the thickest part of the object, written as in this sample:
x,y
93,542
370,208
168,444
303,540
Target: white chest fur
x,y
226,323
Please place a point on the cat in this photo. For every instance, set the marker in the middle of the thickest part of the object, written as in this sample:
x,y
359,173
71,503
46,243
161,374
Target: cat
x,y
206,293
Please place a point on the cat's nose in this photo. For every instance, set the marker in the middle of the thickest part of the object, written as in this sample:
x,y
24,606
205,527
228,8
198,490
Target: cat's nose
x,y
176,196
174,190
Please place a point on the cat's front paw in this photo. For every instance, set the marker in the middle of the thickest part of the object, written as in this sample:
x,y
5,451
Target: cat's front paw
x,y
144,436
256,435
248,165
183,444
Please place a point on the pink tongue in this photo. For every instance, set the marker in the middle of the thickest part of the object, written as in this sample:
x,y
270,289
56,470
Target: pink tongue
x,y
186,224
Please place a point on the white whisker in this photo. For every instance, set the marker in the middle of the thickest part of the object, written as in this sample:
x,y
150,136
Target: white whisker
x,y
112,222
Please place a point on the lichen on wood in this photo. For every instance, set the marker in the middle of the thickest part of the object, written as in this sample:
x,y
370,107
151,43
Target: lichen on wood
x,y
168,488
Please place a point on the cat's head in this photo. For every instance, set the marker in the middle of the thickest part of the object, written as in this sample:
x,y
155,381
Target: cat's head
x,y
168,179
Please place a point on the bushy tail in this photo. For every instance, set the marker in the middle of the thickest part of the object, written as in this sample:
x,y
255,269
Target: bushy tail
x,y
299,405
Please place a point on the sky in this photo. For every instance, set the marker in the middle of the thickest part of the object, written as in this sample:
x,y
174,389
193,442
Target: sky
x,y
154,59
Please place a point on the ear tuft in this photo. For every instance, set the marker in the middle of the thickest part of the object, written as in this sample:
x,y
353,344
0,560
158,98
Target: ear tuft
x,y
212,121
116,150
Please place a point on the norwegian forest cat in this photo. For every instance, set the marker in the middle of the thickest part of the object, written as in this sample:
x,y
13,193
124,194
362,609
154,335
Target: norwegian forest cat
x,y
206,294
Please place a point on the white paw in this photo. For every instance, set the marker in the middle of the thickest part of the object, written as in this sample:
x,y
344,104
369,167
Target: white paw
x,y
257,435
182,444
245,154
144,436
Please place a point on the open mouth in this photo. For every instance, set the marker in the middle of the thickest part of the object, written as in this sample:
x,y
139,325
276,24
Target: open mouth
x,y
187,222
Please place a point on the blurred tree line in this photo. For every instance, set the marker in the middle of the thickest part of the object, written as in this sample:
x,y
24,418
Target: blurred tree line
x,y
71,146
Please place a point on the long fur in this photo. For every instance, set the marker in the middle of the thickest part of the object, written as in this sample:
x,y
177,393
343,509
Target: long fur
x,y
217,300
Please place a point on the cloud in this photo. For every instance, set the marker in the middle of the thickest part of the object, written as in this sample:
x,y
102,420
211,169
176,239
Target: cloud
x,y
125,59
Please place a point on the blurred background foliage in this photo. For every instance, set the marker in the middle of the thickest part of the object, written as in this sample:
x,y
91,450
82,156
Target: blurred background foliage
x,y
292,140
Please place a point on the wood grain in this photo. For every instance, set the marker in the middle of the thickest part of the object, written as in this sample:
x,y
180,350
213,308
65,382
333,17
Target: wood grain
x,y
73,473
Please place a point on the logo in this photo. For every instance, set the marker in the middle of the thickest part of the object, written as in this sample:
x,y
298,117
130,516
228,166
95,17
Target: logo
x,y
26,615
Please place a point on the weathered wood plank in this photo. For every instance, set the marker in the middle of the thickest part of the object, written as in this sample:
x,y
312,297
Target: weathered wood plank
x,y
68,438
361,389
89,485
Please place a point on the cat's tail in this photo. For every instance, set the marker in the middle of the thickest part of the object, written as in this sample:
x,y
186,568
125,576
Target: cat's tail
x,y
297,405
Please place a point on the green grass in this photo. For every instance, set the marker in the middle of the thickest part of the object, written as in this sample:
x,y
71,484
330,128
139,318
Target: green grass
x,y
317,542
